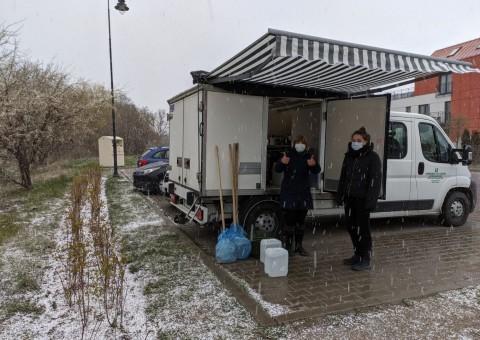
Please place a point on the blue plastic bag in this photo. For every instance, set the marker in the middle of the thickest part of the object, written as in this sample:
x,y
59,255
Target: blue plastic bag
x,y
239,237
225,251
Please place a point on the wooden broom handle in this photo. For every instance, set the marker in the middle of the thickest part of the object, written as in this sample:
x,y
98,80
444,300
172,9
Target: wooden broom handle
x,y
220,187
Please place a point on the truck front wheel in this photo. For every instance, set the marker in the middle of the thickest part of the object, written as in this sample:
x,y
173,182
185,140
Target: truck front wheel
x,y
261,219
455,209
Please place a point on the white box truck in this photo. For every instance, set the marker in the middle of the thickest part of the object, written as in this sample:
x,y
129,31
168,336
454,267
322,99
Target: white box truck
x,y
286,84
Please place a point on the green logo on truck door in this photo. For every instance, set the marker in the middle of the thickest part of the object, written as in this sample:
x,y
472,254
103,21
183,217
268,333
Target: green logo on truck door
x,y
436,176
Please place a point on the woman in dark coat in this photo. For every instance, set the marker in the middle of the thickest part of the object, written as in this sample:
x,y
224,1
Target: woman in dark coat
x,y
295,196
358,189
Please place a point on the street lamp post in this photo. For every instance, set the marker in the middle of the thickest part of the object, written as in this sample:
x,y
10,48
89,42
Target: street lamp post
x,y
122,7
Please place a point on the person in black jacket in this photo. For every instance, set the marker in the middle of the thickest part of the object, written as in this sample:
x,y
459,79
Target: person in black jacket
x,y
358,190
295,196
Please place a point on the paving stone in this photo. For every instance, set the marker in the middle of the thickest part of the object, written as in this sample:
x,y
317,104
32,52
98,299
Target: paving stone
x,y
412,257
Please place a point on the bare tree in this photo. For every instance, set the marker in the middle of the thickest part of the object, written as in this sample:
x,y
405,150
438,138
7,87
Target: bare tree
x,y
162,127
45,116
39,108
139,127
455,127
8,43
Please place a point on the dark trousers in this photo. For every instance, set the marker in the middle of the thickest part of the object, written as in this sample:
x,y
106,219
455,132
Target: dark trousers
x,y
294,226
358,226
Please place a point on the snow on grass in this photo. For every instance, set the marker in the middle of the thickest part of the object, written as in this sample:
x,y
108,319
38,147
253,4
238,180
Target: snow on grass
x,y
442,316
57,319
171,294
184,299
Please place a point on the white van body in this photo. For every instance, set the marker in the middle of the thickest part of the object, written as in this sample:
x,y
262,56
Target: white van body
x,y
426,177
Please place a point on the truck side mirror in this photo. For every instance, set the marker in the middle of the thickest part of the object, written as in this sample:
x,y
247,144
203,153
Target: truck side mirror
x,y
467,155
452,153
466,152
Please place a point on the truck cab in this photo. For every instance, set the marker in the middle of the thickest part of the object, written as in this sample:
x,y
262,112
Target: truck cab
x,y
426,174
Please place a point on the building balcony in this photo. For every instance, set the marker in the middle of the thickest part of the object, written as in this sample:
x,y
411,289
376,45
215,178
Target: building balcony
x,y
401,94
444,88
440,116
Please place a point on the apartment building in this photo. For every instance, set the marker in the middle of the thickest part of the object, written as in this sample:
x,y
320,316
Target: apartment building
x,y
449,94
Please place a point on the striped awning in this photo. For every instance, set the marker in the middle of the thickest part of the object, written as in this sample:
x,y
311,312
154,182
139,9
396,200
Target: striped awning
x,y
298,61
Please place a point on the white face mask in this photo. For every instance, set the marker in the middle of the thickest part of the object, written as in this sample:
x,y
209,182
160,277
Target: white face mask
x,y
300,147
357,145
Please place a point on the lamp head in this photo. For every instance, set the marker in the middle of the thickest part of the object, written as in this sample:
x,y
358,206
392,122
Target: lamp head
x,y
121,6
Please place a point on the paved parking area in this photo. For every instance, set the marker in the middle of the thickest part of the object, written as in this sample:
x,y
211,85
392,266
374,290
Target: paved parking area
x,y
413,257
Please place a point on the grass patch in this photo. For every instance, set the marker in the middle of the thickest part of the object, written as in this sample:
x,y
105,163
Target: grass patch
x,y
20,204
168,335
49,189
40,244
147,247
23,277
118,213
271,332
131,161
9,226
79,164
20,306
24,282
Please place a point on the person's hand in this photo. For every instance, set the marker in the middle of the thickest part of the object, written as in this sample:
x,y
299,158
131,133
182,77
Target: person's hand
x,y
311,161
285,159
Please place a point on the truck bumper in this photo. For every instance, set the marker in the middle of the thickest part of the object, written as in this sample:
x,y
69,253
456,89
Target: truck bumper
x,y
198,213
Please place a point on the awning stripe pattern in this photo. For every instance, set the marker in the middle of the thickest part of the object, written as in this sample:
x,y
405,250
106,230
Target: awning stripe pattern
x,y
287,59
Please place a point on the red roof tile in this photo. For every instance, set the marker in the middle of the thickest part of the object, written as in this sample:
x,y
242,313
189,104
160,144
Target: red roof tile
x,y
466,49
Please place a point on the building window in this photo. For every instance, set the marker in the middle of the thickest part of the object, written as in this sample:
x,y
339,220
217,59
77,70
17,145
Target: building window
x,y
454,51
408,109
445,84
447,111
424,109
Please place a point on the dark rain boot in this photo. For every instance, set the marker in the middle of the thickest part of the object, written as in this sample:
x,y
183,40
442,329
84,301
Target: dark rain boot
x,y
288,239
299,244
289,244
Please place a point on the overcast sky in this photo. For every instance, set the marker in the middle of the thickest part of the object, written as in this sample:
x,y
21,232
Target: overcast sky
x,y
158,42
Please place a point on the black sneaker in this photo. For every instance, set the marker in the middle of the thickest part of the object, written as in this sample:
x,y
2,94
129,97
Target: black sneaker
x,y
301,251
351,260
362,265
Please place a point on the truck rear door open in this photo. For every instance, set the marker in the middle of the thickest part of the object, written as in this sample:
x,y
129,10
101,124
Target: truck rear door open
x,y
234,118
343,118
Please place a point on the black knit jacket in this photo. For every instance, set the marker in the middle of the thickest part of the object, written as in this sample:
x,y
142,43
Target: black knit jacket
x,y
295,192
361,176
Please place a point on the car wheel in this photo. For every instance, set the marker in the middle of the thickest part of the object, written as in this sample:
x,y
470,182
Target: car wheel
x,y
261,218
455,209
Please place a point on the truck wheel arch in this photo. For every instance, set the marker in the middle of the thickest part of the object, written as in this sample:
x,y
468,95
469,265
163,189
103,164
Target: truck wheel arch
x,y
264,214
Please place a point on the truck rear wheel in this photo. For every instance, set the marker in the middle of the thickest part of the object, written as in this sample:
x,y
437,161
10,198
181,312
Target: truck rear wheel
x,y
455,209
261,218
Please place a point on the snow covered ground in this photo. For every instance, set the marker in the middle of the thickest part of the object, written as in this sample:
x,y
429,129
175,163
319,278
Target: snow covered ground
x,y
171,294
